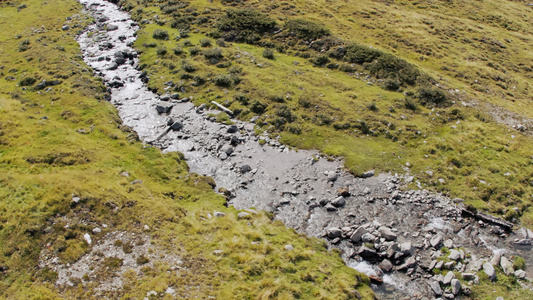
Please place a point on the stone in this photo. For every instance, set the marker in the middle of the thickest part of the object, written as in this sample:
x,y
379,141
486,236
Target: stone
x,y
334,232
344,192
367,253
87,238
449,265
176,126
330,207
409,263
174,96
245,169
332,176
358,233
456,286
111,27
495,261
489,270
439,264
227,149
435,287
448,278
454,255
499,298
506,265
432,265
65,27
387,233
223,156
368,174
170,291
468,276
406,248
395,195
289,247
385,265
232,129
218,251
243,215
163,107
339,202
76,200
97,230
219,214
520,274
435,241
448,243
368,238
366,191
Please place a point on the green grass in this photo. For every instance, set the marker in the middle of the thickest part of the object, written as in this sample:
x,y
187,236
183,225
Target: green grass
x,y
68,141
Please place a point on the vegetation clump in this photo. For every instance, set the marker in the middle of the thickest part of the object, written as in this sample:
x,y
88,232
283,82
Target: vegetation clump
x,y
306,29
244,25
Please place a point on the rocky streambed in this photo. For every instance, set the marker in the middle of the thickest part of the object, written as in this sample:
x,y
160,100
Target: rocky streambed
x,y
396,236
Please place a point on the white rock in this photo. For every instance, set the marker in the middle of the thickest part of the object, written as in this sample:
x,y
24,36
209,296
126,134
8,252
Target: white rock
x,y
87,238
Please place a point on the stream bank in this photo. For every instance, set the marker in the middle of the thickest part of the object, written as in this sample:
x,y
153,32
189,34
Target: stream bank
x,y
395,235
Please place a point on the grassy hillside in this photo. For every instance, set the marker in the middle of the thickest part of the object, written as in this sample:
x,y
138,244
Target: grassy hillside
x,y
68,166
387,85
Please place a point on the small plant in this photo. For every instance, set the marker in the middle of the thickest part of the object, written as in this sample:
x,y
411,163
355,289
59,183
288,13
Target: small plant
x,y
187,43
113,262
320,60
519,263
372,106
150,45
306,29
242,99
268,53
178,51
161,50
187,67
194,51
223,80
27,81
160,34
410,104
205,42
24,45
277,98
257,107
431,95
142,260
213,53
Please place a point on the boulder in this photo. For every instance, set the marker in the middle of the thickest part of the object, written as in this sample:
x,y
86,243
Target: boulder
x,y
368,238
176,126
454,255
358,233
367,253
520,274
368,174
456,287
495,261
506,265
409,263
406,248
330,207
436,241
448,278
245,169
332,176
387,233
232,129
385,265
435,287
489,270
334,232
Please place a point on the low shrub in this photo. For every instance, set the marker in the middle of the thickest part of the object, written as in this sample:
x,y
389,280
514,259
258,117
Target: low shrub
x,y
257,107
215,53
305,29
161,50
160,34
205,42
178,51
27,81
187,67
268,53
431,95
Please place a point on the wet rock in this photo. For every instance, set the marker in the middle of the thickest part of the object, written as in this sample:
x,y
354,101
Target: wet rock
x,y
176,126
448,278
456,287
489,270
232,129
164,107
454,255
358,233
367,253
334,232
368,174
344,192
435,287
245,169
339,202
385,265
387,233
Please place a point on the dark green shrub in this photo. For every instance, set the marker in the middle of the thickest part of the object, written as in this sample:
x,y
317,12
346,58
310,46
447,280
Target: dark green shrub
x,y
277,98
187,67
320,60
347,68
391,84
150,45
205,42
244,25
257,107
213,53
194,51
519,263
182,22
184,33
160,34
305,29
372,106
338,53
27,81
24,45
360,54
268,53
223,80
161,50
242,99
178,51
187,43
431,95
285,112
410,104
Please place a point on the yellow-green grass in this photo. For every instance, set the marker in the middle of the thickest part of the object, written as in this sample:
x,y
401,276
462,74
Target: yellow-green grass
x,y
65,142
